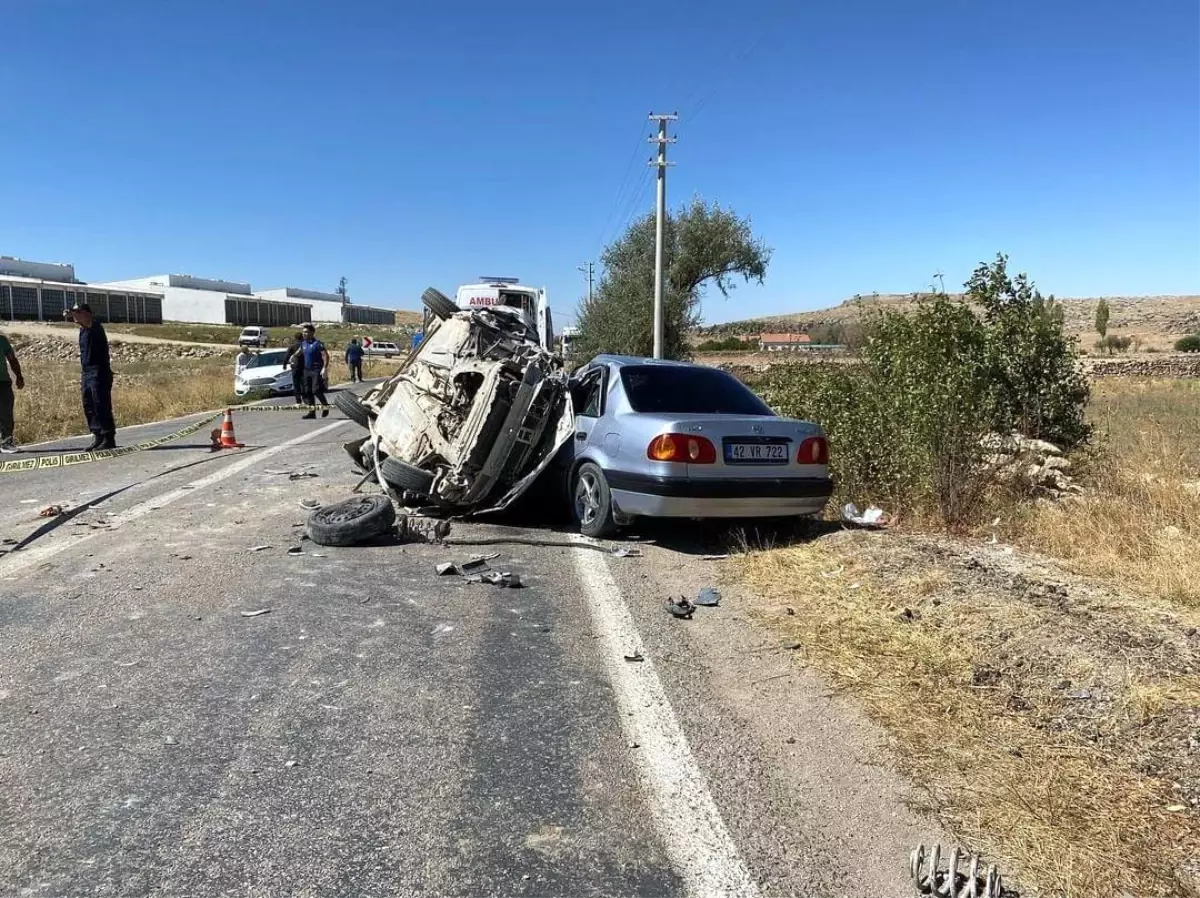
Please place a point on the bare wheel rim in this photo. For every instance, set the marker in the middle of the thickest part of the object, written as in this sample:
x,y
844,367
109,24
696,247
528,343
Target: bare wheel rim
x,y
587,498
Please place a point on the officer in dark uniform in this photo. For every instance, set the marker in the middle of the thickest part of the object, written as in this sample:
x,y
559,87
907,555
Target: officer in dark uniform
x,y
97,378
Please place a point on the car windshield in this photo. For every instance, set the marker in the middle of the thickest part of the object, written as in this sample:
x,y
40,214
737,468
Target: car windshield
x,y
267,360
688,391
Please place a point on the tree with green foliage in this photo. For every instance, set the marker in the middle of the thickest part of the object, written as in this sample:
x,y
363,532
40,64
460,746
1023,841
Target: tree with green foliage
x,y
702,245
1102,318
1190,343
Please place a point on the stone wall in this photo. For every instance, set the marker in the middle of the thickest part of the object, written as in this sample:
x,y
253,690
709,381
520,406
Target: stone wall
x,y
1178,365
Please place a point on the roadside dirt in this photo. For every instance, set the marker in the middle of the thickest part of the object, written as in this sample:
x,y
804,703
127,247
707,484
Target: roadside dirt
x,y
36,329
1055,721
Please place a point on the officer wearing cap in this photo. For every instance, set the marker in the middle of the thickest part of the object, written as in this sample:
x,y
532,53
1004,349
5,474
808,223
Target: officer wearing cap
x,y
97,378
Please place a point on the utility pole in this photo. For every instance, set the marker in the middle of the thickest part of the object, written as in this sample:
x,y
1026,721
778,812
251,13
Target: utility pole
x,y
586,268
661,163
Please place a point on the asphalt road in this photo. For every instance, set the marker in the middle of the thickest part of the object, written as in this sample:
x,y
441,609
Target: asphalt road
x,y
383,731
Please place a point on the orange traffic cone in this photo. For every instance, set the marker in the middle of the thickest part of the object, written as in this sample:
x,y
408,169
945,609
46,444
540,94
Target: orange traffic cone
x,y
228,440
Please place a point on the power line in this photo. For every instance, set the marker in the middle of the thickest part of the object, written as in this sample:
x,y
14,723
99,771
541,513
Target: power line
x,y
734,60
620,194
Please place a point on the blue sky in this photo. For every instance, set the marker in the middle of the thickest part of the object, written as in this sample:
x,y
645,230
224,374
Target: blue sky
x,y
402,144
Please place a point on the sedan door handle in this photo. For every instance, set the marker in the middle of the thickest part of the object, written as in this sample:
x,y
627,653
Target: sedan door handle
x,y
580,435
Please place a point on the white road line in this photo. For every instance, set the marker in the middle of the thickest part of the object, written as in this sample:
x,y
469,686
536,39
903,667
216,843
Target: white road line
x,y
15,562
685,815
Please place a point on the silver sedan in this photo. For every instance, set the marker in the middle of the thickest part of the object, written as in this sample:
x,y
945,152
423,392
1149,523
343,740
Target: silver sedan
x,y
672,439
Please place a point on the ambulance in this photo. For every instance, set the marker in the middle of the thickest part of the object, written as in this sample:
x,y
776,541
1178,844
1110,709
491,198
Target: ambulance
x,y
530,304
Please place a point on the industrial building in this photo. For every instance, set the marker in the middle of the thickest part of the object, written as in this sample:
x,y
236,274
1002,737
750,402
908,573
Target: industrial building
x,y
40,291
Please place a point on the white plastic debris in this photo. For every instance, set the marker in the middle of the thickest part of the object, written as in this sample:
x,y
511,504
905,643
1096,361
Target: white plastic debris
x,y
873,518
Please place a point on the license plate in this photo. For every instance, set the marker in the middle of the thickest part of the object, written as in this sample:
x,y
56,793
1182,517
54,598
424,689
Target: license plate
x,y
756,453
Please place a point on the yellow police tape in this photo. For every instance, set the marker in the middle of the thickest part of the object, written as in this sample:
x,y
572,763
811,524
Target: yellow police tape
x,y
70,459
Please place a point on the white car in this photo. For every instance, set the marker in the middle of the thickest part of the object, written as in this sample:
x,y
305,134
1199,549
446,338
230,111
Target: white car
x,y
265,373
254,336
382,348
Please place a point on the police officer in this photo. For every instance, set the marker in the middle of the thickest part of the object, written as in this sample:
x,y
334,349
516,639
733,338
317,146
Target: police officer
x,y
354,360
316,360
97,380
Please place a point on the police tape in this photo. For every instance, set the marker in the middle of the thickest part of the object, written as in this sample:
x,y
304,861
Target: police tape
x,y
71,459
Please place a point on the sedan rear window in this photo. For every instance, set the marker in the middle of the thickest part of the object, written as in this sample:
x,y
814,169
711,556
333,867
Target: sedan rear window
x,y
689,391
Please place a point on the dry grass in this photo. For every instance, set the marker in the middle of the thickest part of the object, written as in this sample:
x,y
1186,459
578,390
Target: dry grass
x,y
970,685
1139,523
50,407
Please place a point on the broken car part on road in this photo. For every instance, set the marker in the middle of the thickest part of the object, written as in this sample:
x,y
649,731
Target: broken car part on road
x,y
930,879
474,414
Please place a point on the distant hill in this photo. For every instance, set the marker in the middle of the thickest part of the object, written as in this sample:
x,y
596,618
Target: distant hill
x,y
1129,314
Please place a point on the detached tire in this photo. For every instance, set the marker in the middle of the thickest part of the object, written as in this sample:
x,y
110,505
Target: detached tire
x,y
591,502
351,406
402,476
352,522
439,303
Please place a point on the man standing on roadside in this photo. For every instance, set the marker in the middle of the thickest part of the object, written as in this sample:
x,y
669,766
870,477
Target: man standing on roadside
x,y
354,357
242,360
8,359
295,360
316,360
97,379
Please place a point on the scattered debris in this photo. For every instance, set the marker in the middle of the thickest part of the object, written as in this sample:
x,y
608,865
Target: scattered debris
x,y
446,568
256,613
290,764
52,511
297,475
170,740
709,597
634,658
296,550
505,579
872,519
714,557
259,548
310,504
951,883
412,528
681,608
626,552
133,663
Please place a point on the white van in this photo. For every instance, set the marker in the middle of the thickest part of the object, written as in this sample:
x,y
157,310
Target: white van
x,y
253,336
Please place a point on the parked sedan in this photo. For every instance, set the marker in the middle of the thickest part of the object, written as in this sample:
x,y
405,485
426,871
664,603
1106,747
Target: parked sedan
x,y
672,439
265,373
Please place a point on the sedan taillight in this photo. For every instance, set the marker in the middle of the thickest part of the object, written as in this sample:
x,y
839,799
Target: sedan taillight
x,y
692,450
813,451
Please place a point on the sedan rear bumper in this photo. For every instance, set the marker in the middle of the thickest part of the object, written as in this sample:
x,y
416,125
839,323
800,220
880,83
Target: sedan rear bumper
x,y
670,497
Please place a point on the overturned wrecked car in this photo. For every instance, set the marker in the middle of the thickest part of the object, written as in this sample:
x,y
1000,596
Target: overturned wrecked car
x,y
476,412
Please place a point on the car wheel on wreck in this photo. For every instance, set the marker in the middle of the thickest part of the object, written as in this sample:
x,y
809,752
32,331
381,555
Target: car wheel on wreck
x,y
351,406
351,522
441,305
591,502
402,476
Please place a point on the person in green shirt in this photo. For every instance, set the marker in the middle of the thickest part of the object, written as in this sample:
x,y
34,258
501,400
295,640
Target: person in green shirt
x,y
8,359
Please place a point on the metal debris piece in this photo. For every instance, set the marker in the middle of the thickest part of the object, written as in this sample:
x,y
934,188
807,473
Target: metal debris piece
x,y
256,613
290,764
413,528
170,740
446,568
930,879
296,550
310,504
476,565
259,548
626,552
681,608
714,557
51,511
502,578
634,658
709,597
297,475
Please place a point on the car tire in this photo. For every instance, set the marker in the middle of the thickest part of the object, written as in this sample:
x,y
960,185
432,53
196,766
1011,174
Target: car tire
x,y
351,406
352,522
591,501
441,305
402,476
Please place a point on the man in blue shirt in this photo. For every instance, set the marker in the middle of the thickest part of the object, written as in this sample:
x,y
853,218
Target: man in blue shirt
x,y
316,360
354,357
97,380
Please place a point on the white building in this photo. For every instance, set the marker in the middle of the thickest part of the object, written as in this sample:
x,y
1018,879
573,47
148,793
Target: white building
x,y
41,291
210,301
325,306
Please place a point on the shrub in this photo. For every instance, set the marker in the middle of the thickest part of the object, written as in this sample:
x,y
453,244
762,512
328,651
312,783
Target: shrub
x,y
1190,343
905,424
1113,343
728,344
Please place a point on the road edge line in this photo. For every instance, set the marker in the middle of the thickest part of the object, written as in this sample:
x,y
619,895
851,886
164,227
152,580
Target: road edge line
x,y
686,817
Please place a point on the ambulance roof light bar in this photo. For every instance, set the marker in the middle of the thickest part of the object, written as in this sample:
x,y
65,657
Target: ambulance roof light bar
x,y
496,280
